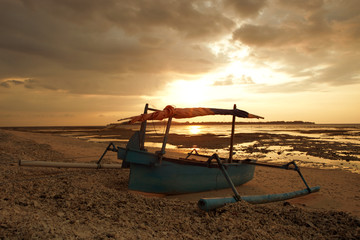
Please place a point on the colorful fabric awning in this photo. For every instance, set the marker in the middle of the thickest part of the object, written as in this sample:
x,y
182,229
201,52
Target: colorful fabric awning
x,y
170,111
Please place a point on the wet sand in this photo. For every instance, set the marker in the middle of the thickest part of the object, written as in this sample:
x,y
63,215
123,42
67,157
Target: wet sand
x,y
48,203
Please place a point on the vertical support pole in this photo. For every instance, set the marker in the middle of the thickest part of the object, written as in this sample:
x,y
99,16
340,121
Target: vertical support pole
x,y
232,137
143,130
162,152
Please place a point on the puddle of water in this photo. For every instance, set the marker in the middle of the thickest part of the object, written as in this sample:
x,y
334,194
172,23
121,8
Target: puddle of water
x,y
159,145
107,140
282,155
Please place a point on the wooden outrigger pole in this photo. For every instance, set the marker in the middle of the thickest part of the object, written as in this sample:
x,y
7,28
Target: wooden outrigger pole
x,y
208,204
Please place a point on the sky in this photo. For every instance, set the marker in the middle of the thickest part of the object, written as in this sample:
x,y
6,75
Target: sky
x,y
90,62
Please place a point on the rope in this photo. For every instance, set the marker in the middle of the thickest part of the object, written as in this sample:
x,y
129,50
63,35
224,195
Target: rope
x,y
153,123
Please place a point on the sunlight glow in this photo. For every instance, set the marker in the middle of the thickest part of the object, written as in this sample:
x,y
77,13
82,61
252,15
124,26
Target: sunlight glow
x,y
241,65
236,81
194,130
188,93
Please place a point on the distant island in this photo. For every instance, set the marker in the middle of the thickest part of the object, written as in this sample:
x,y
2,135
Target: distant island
x,y
242,123
223,123
32,128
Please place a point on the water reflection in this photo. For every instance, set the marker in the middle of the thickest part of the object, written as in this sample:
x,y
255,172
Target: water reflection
x,y
194,130
324,146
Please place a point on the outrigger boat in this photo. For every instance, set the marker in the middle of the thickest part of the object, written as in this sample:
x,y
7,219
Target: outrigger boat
x,y
156,173
159,174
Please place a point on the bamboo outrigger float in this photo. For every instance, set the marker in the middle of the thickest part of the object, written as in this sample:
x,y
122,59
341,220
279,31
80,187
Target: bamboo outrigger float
x,y
157,173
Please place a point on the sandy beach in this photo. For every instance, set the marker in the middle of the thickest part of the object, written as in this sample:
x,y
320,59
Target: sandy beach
x,y
51,203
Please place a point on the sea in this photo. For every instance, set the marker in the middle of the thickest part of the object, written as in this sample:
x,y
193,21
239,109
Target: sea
x,y
326,146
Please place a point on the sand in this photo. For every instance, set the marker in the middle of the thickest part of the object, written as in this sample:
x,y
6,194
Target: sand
x,y
48,203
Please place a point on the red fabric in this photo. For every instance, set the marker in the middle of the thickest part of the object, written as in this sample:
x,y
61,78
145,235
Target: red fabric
x,y
192,112
170,111
159,115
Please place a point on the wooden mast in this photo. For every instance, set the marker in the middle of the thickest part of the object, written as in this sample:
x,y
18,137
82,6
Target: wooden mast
x,y
162,152
143,130
232,137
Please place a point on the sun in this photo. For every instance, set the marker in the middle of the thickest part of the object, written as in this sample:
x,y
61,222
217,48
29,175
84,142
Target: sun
x,y
194,130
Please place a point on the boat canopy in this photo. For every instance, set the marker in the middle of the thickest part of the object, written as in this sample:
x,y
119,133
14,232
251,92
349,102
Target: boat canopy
x,y
170,111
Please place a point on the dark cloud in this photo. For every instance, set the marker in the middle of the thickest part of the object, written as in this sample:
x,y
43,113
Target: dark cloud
x,y
90,42
341,72
27,83
5,84
315,40
8,83
79,53
264,35
189,18
110,47
289,32
246,8
303,4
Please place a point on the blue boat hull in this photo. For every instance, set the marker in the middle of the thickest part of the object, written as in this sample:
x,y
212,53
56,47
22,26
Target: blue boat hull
x,y
176,178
